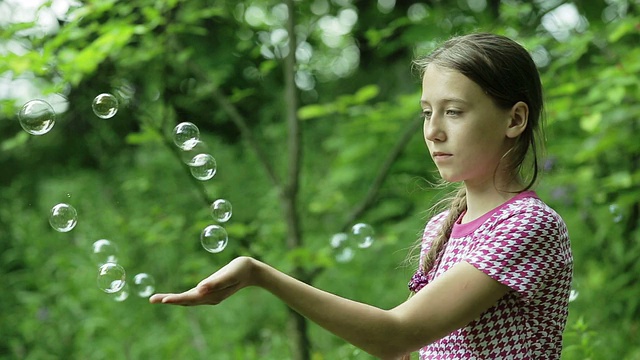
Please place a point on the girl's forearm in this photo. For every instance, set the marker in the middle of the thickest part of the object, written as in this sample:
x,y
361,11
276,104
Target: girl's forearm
x,y
370,328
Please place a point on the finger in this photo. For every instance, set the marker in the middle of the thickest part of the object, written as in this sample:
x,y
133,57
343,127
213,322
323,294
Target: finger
x,y
190,297
157,298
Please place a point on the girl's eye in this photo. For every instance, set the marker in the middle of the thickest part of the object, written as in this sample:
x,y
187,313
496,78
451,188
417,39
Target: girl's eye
x,y
426,114
451,112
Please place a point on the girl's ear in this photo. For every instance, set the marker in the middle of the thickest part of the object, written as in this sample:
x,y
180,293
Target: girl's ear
x,y
519,117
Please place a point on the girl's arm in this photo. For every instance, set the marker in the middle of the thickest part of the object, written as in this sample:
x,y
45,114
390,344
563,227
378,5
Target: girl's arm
x,y
451,301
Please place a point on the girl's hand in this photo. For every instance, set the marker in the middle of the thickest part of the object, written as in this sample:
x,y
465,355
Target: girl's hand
x,y
217,287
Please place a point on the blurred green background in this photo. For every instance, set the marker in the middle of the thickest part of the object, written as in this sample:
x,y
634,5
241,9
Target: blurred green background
x,y
311,111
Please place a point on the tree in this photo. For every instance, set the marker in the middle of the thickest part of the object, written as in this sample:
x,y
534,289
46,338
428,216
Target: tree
x,y
306,146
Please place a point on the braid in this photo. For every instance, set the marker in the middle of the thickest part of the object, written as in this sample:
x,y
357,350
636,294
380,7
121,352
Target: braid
x,y
457,204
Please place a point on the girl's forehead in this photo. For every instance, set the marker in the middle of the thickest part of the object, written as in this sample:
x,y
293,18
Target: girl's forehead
x,y
439,83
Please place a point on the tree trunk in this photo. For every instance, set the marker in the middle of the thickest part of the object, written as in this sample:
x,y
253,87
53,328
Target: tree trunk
x,y
289,192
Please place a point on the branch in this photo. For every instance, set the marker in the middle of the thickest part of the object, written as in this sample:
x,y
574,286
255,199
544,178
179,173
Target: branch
x,y
241,123
383,172
147,119
290,194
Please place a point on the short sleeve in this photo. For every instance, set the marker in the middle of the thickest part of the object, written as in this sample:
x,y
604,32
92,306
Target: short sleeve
x,y
522,250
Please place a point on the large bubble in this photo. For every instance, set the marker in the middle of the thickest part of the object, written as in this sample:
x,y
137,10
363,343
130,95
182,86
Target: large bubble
x,y
221,210
111,278
362,235
104,251
186,135
105,106
143,284
203,166
342,247
37,117
214,238
63,217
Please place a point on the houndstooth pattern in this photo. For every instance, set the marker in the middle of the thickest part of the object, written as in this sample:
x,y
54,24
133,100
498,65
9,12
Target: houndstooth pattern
x,y
523,244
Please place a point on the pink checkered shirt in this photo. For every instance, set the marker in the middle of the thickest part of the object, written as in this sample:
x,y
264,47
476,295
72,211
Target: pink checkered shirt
x,y
523,244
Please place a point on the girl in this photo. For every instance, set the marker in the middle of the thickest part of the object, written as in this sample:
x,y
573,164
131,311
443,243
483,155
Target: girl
x,y
495,268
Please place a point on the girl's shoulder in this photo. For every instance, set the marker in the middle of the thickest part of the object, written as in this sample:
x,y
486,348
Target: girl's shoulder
x,y
530,206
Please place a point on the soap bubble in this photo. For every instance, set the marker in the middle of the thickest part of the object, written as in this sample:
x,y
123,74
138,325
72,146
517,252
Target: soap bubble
x,y
63,217
144,285
362,235
122,294
37,117
341,244
214,238
111,278
616,213
105,106
104,251
221,210
203,166
186,135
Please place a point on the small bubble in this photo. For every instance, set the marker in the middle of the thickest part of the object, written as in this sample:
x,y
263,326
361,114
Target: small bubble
x,y
144,285
122,294
186,135
111,278
37,117
105,106
203,166
214,238
616,213
362,235
104,251
63,217
340,243
221,210
573,295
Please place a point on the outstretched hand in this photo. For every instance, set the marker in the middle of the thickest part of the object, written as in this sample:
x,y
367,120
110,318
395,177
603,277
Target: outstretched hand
x,y
215,288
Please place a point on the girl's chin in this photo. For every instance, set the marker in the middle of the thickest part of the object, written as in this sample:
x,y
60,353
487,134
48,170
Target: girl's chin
x,y
448,177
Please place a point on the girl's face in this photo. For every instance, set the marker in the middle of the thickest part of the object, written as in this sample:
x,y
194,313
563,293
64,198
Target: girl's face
x,y
466,133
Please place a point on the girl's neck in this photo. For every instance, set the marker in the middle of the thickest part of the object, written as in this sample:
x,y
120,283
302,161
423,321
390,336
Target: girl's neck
x,y
482,199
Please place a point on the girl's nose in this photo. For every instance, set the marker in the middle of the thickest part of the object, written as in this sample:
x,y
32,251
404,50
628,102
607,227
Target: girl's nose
x,y
433,130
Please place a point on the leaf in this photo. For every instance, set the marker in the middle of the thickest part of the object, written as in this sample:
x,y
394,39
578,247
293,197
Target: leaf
x,y
14,142
147,135
589,123
623,28
619,180
315,111
366,93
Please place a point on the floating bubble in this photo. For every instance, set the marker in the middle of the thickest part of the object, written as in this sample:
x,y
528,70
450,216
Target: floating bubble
x,y
341,244
362,235
105,106
144,285
573,295
616,213
221,210
37,117
197,147
104,251
63,217
111,278
214,238
186,135
203,166
122,294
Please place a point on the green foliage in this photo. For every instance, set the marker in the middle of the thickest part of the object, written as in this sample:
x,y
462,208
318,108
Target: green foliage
x,y
211,63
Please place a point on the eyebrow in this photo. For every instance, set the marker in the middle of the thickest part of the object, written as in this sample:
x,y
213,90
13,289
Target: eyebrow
x,y
446,100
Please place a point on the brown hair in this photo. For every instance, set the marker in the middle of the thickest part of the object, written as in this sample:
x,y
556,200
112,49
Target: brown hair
x,y
506,72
